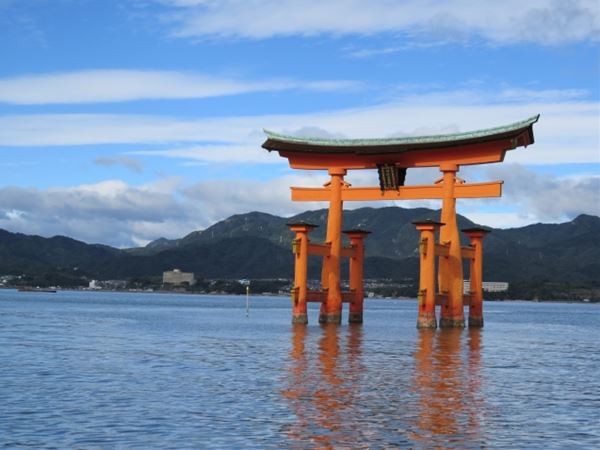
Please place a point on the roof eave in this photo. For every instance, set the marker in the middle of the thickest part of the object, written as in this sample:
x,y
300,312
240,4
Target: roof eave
x,y
374,146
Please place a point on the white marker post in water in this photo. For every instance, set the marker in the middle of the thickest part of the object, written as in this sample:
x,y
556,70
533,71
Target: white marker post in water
x,y
247,284
247,301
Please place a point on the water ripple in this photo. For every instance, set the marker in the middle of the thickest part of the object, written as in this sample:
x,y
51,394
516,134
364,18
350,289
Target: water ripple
x,y
101,370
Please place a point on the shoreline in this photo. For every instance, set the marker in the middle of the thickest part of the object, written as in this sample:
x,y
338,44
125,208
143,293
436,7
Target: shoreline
x,y
163,292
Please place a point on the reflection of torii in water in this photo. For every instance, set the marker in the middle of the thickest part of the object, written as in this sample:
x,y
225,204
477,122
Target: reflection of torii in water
x,y
447,384
322,390
339,401
391,158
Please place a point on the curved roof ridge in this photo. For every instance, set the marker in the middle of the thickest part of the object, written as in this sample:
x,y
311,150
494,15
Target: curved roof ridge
x,y
436,138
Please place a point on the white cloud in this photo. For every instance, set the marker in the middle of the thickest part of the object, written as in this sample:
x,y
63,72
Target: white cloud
x,y
568,130
509,21
368,52
89,129
529,95
96,86
110,212
548,197
221,154
502,219
116,213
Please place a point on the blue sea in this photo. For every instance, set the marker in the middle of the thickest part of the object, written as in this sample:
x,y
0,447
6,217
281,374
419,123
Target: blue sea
x,y
99,370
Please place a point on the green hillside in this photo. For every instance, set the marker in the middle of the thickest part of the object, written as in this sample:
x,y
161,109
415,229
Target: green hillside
x,y
257,245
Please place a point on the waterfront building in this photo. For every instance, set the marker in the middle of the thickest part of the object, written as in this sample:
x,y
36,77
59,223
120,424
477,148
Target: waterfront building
x,y
176,277
488,286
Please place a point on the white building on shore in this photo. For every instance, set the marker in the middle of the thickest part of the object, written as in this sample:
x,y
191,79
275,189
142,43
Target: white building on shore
x,y
488,286
177,277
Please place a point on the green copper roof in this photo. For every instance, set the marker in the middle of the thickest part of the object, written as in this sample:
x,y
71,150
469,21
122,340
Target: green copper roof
x,y
273,138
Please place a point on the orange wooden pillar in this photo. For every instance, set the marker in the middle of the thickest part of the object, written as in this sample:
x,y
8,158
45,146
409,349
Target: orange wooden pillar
x,y
476,236
427,290
356,274
331,309
450,267
300,289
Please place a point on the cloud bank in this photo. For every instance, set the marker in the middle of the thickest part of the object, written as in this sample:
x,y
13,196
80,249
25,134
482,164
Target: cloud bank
x,y
102,86
546,22
116,213
566,133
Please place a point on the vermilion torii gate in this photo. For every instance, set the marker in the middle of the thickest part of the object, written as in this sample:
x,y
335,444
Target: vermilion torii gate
x,y
392,157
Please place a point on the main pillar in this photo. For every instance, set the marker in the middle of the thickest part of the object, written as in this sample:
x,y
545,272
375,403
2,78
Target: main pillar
x,y
331,309
450,269
476,236
300,289
356,274
427,290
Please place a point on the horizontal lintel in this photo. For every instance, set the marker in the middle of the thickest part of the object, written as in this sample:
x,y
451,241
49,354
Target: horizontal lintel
x,y
325,250
348,252
467,190
441,299
316,296
321,296
319,249
442,250
467,252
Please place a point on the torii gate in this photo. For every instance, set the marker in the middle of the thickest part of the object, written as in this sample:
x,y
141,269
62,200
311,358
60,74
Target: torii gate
x,y
392,157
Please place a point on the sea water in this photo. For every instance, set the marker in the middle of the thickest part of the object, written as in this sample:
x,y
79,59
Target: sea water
x,y
116,370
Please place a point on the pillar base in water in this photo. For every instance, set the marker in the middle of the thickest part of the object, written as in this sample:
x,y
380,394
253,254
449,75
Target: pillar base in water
x,y
355,318
476,322
330,318
426,321
299,318
452,322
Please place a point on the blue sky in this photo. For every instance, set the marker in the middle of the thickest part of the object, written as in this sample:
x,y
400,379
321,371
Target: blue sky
x,y
122,121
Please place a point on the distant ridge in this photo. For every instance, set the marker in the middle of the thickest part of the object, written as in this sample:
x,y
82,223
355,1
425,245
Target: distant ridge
x,y
257,245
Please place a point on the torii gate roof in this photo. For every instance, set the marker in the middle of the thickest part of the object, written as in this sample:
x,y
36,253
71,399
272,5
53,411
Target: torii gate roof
x,y
473,147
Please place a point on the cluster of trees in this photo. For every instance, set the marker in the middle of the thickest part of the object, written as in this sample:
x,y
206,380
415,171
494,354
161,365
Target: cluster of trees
x,y
67,278
546,290
518,290
394,290
220,286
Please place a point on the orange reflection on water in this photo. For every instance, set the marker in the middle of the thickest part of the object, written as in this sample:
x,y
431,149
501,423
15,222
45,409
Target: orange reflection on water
x,y
322,387
342,397
447,381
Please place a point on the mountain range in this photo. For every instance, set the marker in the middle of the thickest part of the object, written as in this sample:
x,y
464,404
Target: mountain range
x,y
257,245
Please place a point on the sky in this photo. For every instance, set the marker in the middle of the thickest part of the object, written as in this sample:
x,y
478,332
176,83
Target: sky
x,y
122,121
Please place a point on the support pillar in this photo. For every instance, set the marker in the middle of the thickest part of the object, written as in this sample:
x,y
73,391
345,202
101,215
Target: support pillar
x,y
450,267
300,289
427,290
331,309
476,236
356,274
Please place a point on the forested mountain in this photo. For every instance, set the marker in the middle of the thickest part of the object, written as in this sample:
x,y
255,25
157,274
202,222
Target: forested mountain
x,y
257,245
